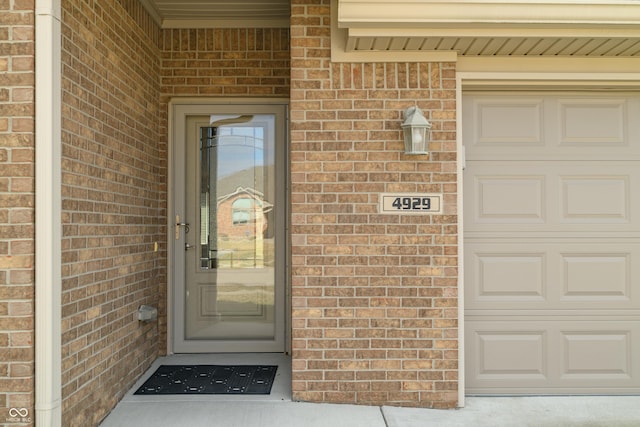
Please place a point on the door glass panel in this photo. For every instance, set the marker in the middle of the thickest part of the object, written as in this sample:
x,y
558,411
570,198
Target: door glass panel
x,y
230,195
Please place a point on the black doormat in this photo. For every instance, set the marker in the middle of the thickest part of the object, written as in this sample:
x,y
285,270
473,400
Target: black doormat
x,y
210,379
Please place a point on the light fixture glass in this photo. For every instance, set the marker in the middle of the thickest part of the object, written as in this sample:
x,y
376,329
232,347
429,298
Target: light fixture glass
x,y
415,127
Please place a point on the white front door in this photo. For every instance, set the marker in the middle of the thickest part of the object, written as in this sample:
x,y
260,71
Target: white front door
x,y
228,234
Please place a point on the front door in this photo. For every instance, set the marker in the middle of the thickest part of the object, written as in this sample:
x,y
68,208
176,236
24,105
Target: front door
x,y
229,250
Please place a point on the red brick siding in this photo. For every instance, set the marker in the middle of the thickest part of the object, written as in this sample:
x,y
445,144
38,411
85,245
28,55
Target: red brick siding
x,y
17,189
225,62
374,296
114,187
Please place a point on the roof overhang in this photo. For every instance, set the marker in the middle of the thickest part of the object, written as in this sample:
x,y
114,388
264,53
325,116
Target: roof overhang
x,y
568,28
219,13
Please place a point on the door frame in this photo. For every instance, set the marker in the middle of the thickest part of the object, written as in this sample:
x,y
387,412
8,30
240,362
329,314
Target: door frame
x,y
178,109
506,74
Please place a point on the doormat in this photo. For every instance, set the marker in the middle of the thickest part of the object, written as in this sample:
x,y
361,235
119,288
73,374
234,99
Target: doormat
x,y
210,379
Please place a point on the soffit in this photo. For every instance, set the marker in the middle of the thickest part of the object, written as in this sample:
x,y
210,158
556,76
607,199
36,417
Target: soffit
x,y
219,13
582,28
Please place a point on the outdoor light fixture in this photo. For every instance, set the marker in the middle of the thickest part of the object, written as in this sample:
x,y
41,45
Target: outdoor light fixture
x,y
415,127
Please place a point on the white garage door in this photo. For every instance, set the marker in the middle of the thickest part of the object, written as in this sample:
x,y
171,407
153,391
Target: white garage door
x,y
552,243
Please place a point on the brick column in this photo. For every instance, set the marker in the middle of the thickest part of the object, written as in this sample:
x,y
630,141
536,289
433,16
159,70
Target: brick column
x,y
17,211
374,296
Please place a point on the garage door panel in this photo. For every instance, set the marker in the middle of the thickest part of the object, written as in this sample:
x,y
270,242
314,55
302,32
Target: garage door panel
x,y
511,354
505,122
559,197
510,198
551,357
602,198
596,355
597,276
593,122
528,274
576,127
510,276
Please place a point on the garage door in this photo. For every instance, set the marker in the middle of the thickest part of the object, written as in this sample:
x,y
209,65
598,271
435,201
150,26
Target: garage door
x,y
552,243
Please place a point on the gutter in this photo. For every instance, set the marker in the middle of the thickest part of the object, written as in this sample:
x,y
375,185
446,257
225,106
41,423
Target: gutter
x,y
48,203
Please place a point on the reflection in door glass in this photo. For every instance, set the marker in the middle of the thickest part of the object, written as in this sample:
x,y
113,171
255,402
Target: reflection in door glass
x,y
236,195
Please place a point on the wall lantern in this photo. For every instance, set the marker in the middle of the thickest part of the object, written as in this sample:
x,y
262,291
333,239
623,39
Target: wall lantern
x,y
415,127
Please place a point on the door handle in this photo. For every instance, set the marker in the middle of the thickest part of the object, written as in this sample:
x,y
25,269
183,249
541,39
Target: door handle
x,y
181,224
188,246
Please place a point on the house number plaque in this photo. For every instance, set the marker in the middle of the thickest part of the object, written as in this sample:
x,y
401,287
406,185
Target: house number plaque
x,y
411,203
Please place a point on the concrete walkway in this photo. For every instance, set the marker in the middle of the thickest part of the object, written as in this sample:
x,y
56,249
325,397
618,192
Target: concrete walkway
x,y
277,409
622,411
493,412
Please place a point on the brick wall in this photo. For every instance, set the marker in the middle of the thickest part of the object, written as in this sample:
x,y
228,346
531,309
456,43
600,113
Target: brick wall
x,y
17,189
114,192
374,296
221,63
225,62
